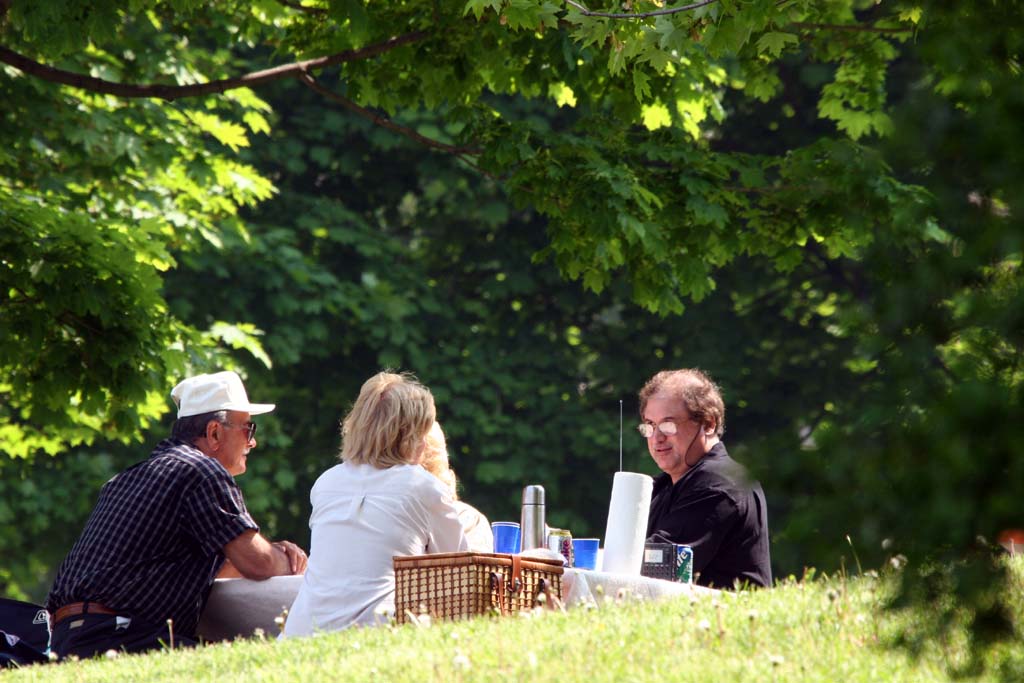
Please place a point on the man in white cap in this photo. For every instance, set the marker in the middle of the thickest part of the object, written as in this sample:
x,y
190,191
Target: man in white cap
x,y
162,530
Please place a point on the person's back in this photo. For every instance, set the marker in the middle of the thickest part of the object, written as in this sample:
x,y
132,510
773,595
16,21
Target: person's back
x,y
362,517
132,555
378,503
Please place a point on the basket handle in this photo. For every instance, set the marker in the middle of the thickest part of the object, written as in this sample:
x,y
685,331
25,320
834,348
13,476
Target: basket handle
x,y
498,589
517,574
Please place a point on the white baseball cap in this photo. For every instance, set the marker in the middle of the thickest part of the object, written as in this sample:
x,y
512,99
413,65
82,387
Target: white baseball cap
x,y
209,393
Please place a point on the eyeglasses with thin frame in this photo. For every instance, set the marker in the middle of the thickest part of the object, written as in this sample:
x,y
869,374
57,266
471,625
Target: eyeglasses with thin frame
x,y
646,429
250,427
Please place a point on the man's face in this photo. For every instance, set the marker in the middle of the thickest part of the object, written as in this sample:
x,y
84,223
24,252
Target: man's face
x,y
234,442
670,451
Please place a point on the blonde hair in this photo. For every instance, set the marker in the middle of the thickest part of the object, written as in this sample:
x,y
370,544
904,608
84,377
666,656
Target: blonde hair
x,y
699,394
388,422
435,459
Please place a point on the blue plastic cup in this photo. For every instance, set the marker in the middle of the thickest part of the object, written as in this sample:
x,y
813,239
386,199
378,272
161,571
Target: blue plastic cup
x,y
506,537
585,550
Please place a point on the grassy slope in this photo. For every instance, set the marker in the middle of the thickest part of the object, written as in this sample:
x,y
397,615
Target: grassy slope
x,y
816,631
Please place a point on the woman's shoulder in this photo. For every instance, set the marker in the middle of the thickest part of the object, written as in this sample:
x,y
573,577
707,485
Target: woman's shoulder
x,y
419,478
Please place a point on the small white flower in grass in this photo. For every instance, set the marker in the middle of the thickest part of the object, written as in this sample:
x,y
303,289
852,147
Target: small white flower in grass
x,y
752,614
279,621
531,660
460,661
704,625
111,654
259,633
454,635
776,660
356,646
52,656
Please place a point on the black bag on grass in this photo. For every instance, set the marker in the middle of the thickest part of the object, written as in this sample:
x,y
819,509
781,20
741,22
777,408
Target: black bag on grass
x,y
24,633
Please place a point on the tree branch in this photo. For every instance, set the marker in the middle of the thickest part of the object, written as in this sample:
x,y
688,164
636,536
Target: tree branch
x,y
849,27
173,92
464,154
638,15
382,121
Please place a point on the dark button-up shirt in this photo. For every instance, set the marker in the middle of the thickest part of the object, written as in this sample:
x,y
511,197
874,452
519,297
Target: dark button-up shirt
x,y
154,542
717,510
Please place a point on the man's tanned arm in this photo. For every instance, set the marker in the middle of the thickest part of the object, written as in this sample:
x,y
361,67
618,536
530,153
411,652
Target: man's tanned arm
x,y
254,557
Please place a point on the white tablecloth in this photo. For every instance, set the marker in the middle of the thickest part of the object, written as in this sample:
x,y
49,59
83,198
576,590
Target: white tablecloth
x,y
237,607
581,585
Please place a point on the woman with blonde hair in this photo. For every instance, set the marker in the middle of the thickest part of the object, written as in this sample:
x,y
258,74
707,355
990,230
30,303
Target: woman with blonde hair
x,y
474,523
376,504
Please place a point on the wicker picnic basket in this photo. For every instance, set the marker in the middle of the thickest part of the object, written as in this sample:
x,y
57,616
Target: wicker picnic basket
x,y
452,586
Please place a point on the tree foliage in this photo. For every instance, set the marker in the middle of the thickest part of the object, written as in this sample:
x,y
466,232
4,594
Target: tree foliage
x,y
818,201
660,208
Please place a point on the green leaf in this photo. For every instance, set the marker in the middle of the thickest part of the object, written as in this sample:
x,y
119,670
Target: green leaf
x,y
641,87
774,42
656,116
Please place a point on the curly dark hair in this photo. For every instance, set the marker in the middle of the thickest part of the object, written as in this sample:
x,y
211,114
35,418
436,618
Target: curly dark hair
x,y
697,391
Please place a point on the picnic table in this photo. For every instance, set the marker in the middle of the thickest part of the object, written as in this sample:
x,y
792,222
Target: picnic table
x,y
242,608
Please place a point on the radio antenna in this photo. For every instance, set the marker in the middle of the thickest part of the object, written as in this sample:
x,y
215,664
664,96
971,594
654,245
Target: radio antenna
x,y
620,435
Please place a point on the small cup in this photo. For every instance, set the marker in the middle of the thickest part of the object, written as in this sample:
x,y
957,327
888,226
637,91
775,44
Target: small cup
x,y
585,550
506,537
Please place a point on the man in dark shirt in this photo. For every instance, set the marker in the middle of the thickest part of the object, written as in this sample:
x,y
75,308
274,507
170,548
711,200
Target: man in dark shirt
x,y
164,529
704,499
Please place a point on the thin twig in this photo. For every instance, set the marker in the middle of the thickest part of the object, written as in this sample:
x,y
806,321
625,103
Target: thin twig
x,y
638,15
383,121
173,92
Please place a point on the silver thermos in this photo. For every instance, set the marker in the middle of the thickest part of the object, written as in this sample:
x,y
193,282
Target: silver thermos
x,y
531,524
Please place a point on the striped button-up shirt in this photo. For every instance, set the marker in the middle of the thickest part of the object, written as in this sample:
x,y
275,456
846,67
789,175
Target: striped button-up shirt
x,y
154,542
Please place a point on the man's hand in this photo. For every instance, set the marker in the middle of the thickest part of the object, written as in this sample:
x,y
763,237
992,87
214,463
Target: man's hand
x,y
297,559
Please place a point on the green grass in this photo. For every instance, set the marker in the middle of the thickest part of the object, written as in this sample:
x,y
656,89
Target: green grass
x,y
827,630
